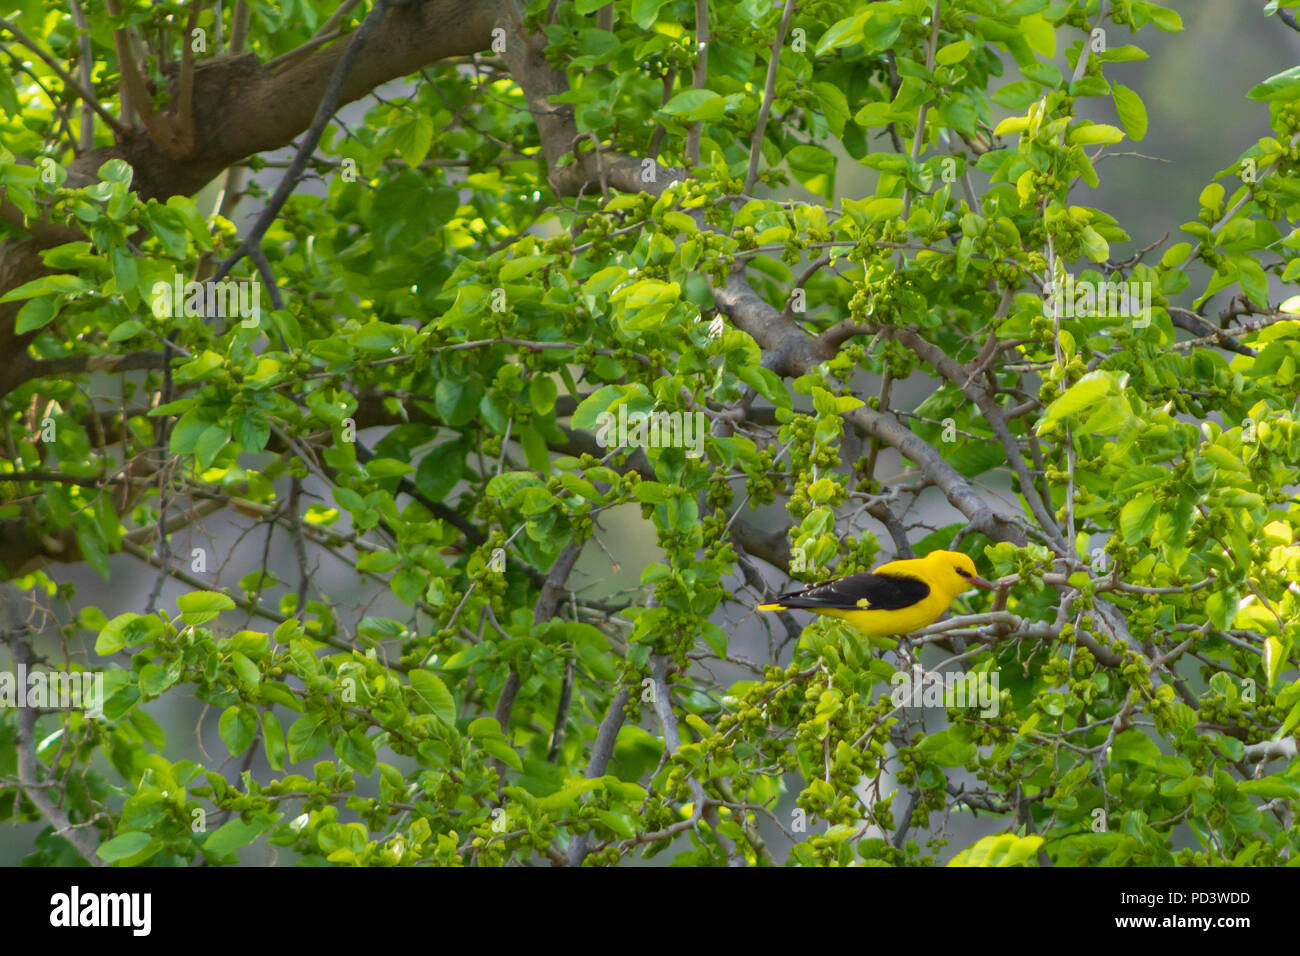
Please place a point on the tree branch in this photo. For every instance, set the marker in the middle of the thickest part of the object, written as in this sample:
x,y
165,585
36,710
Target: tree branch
x,y
84,92
329,104
81,839
547,603
769,94
601,751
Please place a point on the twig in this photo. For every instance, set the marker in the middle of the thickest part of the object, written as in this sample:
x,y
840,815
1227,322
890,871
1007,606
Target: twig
x,y
700,80
28,773
918,137
276,63
299,545
769,94
562,710
86,95
547,602
85,66
601,751
185,129
133,83
329,104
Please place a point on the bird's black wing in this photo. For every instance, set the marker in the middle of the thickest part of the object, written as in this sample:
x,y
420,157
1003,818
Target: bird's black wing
x,y
883,592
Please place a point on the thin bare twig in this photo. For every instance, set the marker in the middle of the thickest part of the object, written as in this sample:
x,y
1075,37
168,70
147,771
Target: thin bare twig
x,y
769,94
329,104
82,91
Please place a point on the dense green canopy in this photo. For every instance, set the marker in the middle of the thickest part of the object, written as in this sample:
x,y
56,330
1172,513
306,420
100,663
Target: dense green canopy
x,y
401,361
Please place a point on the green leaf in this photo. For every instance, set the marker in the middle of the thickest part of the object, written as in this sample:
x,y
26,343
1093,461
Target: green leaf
x,y
273,740
306,739
378,561
1269,788
1132,112
645,12
230,836
521,266
457,400
617,822
36,314
834,106
209,445
57,284
413,138
169,226
1275,656
881,29
356,750
1138,517
116,171
1095,247
1001,849
694,104
652,492
1093,134
127,630
542,392
1252,279
124,846
434,692
237,728
440,469
587,415
1221,608
814,167
767,383
1134,746
128,329
1018,95
843,33
379,337
953,52
497,747
1164,18
199,607
1126,53
1279,86
1084,395
1176,255
245,670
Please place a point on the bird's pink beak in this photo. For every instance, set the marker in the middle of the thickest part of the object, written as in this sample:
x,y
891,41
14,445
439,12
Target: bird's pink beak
x,y
979,582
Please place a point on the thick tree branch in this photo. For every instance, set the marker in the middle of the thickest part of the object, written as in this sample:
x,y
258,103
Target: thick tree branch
x,y
790,352
968,381
525,57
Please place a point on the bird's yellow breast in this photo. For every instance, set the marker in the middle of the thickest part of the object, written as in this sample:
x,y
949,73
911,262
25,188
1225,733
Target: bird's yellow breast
x,y
888,623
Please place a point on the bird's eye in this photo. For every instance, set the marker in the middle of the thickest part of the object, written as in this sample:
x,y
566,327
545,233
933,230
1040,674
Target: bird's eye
x,y
964,574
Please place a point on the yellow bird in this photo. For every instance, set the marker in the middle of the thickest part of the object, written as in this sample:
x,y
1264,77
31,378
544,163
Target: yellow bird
x,y
896,598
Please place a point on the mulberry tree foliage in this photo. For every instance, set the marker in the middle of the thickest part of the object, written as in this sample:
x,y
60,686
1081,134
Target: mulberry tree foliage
x,y
542,214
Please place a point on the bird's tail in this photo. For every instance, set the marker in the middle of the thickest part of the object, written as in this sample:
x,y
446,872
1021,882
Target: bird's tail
x,y
771,607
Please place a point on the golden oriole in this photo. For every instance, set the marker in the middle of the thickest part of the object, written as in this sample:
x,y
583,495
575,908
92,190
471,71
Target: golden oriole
x,y
896,598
